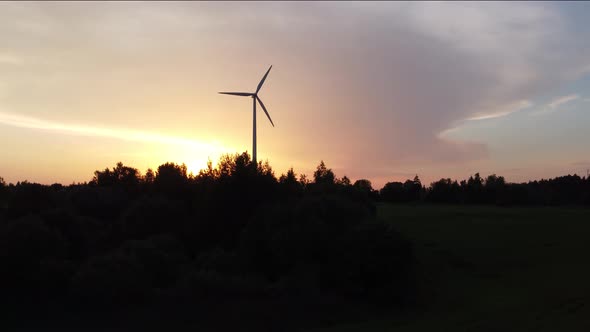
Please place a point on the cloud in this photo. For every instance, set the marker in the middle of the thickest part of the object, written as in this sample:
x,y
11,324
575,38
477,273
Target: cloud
x,y
562,100
502,111
555,103
373,86
435,65
20,121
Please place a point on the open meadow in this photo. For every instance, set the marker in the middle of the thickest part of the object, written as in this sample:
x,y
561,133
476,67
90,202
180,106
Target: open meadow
x,y
489,268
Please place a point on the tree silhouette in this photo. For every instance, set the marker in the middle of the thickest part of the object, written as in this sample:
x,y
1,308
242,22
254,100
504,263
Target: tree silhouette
x,y
445,191
323,175
120,175
288,179
345,181
393,192
413,189
408,191
304,181
289,182
149,177
171,177
363,185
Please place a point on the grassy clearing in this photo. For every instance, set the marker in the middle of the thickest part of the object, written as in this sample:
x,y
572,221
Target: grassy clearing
x,y
494,269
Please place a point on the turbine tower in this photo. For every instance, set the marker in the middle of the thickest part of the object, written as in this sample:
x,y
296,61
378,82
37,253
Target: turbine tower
x,y
255,98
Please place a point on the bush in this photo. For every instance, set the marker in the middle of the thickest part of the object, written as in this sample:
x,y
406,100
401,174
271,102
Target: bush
x,y
330,242
30,255
114,279
148,216
161,258
370,260
222,261
99,202
212,285
26,198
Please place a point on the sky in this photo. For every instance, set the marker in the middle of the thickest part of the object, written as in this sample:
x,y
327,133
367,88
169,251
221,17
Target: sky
x,y
377,90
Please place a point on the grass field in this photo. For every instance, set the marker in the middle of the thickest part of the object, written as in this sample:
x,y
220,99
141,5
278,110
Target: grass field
x,y
494,269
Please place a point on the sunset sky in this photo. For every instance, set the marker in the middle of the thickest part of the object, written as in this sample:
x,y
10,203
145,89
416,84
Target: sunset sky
x,y
378,90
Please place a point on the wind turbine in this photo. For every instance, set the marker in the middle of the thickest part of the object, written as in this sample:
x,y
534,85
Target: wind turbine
x,y
255,98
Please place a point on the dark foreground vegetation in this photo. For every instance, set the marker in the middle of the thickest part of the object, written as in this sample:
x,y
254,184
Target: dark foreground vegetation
x,y
231,248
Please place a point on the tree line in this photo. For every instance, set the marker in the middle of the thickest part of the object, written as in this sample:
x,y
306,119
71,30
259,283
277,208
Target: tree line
x,y
493,189
563,190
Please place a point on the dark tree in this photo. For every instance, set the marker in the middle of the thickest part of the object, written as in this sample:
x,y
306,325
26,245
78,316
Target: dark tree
x,y
363,185
475,189
149,177
345,181
409,191
304,181
288,179
323,175
392,192
445,191
171,177
289,182
120,175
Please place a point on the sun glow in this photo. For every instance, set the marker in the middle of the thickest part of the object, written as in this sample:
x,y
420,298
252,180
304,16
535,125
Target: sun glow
x,y
194,153
195,158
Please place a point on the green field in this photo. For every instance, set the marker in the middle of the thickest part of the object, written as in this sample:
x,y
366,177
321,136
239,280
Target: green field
x,y
494,269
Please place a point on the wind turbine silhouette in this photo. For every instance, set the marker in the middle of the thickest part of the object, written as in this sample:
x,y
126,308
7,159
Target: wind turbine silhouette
x,y
255,98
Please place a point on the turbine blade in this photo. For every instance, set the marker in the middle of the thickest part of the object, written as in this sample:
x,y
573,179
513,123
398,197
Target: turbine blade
x,y
265,111
247,94
263,79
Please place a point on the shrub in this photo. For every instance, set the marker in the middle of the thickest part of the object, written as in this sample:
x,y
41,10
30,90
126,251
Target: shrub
x,y
99,202
27,245
152,215
371,260
212,285
221,261
110,280
161,258
331,242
